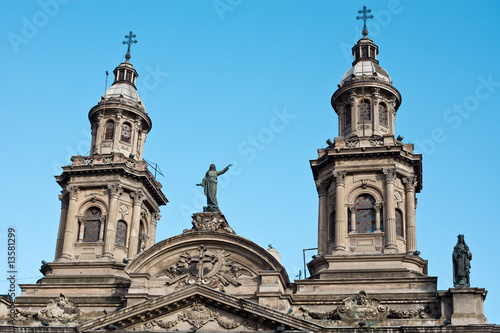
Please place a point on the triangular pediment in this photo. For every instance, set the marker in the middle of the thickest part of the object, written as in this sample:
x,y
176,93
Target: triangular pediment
x,y
198,307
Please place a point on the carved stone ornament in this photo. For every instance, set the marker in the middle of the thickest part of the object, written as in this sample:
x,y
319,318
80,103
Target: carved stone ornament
x,y
408,314
410,183
210,221
376,142
390,175
73,191
339,177
329,315
322,187
138,197
214,269
61,309
362,307
115,190
352,144
198,315
124,209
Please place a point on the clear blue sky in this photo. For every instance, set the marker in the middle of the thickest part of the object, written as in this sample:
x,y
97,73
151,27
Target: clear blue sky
x,y
214,74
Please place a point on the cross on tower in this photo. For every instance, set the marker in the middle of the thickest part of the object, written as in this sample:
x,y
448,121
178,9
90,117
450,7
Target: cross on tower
x,y
364,17
129,40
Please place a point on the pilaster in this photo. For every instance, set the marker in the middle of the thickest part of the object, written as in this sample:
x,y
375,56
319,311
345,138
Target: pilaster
x,y
62,223
69,237
138,197
115,190
322,188
411,232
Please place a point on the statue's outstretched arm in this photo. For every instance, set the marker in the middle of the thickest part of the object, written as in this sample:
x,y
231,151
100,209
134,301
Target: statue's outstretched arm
x,y
223,170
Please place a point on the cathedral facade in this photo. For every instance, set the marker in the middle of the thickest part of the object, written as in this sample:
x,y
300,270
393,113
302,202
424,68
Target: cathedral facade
x,y
110,273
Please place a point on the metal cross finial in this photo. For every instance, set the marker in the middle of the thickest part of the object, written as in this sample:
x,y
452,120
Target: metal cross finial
x,y
129,40
364,17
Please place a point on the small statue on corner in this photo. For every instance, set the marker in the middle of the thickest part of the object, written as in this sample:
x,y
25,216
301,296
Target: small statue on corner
x,y
461,263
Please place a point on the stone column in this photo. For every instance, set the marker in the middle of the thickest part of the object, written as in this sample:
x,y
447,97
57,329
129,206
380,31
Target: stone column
x,y
118,131
378,207
115,190
152,227
411,231
62,224
69,231
140,141
340,219
97,135
138,197
354,113
322,216
390,212
375,119
82,223
352,209
101,229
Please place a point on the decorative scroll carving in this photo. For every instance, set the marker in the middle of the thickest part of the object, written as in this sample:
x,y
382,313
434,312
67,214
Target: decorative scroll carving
x,y
329,315
160,323
390,175
408,314
155,217
410,183
322,187
115,190
138,197
210,221
352,144
339,177
214,269
61,309
73,192
198,315
362,307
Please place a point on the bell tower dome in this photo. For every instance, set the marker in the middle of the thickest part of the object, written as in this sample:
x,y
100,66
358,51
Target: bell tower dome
x,y
366,178
110,199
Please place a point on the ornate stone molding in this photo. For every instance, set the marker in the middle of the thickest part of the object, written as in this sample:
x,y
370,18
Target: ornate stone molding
x,y
390,175
340,177
119,115
361,307
410,183
323,187
155,217
408,314
61,309
73,192
378,207
352,143
115,190
213,268
138,197
210,221
329,315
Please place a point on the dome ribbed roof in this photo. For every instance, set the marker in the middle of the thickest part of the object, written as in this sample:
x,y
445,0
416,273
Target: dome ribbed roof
x,y
367,68
123,90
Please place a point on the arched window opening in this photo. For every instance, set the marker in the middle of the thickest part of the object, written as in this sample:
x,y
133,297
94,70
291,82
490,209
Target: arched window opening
x,y
120,75
142,238
348,116
382,114
399,223
126,132
110,130
92,225
128,76
365,214
364,111
365,51
121,233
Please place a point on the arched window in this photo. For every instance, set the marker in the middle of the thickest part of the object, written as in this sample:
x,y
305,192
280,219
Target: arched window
x,y
399,223
126,132
92,225
121,233
365,214
382,114
364,111
110,130
128,76
348,116
120,75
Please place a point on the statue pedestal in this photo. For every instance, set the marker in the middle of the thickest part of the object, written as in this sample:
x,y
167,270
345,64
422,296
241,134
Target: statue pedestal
x,y
210,221
467,306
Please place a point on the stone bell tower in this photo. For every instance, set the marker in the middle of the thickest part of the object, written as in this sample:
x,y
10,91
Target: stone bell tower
x,y
110,200
366,178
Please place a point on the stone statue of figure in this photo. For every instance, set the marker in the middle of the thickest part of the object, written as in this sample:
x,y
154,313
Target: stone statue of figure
x,y
461,263
209,183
